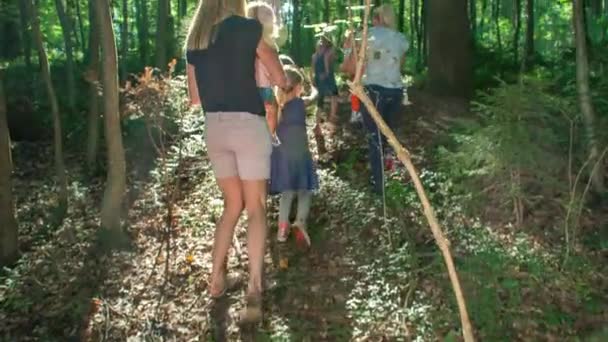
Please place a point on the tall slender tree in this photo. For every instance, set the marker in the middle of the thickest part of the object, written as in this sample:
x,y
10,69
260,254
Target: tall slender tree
x,y
8,223
66,28
529,47
162,33
517,27
584,95
25,34
496,15
142,30
52,98
80,23
401,18
116,177
296,32
93,79
124,39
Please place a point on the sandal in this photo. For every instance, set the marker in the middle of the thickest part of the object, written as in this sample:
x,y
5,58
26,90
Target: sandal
x,y
252,313
231,283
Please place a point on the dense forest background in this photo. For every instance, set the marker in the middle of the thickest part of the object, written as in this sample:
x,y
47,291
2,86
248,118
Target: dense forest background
x,y
508,126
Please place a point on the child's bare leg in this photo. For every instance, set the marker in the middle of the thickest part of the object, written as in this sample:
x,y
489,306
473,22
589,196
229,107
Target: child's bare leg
x,y
304,202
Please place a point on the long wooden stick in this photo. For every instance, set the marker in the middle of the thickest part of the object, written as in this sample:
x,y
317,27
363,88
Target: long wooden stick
x,y
404,156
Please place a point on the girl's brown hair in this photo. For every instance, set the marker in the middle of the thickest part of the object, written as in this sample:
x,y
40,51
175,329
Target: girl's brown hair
x,y
294,79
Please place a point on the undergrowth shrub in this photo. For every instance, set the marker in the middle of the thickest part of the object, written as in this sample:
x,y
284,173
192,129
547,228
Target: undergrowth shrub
x,y
151,106
515,150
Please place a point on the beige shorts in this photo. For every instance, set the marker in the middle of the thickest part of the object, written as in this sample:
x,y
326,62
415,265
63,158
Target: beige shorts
x,y
238,144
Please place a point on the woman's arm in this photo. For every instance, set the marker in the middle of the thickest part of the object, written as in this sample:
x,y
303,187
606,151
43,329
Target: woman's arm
x,y
270,58
192,86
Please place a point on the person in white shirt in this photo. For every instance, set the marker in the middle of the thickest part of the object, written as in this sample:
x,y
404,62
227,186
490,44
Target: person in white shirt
x,y
384,59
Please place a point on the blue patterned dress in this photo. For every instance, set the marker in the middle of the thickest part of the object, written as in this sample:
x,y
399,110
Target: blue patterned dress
x,y
291,166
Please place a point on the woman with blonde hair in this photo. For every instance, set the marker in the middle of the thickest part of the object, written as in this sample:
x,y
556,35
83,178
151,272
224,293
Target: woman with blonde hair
x,y
384,59
221,48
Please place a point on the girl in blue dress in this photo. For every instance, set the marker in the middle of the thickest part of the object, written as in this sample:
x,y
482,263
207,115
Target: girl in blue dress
x,y
293,173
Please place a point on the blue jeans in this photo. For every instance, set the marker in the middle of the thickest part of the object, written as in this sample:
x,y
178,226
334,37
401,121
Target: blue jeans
x,y
388,101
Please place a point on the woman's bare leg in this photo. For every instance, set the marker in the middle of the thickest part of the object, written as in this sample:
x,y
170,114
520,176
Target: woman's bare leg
x,y
255,204
232,191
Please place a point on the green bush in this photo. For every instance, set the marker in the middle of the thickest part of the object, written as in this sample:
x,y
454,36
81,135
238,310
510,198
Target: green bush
x,y
516,147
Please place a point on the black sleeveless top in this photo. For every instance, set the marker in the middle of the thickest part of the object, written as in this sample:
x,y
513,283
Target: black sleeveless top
x,y
225,71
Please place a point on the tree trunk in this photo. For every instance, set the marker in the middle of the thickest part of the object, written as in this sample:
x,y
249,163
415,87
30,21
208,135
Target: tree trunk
x,y
124,39
473,19
66,28
116,176
25,34
57,135
8,224
450,65
73,25
529,53
596,7
93,121
296,30
497,24
424,35
517,27
584,96
484,7
326,10
142,30
162,30
80,25
401,14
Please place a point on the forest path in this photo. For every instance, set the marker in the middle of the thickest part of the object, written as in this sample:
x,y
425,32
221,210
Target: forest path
x,y
364,278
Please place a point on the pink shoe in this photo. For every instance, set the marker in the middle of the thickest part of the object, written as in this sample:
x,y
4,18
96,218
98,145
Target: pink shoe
x,y
389,162
302,238
283,232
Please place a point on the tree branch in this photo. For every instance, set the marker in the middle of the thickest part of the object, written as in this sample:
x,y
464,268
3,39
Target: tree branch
x,y
405,157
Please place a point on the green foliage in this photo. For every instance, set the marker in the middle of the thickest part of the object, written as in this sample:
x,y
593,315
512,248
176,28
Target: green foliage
x,y
516,147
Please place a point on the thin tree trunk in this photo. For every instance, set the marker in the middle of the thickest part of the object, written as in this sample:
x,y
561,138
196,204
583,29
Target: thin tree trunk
x,y
517,27
584,96
295,32
482,21
326,11
496,16
94,86
25,34
73,25
473,19
162,30
401,19
66,28
57,134
9,245
142,30
529,47
424,36
124,39
116,176
80,25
